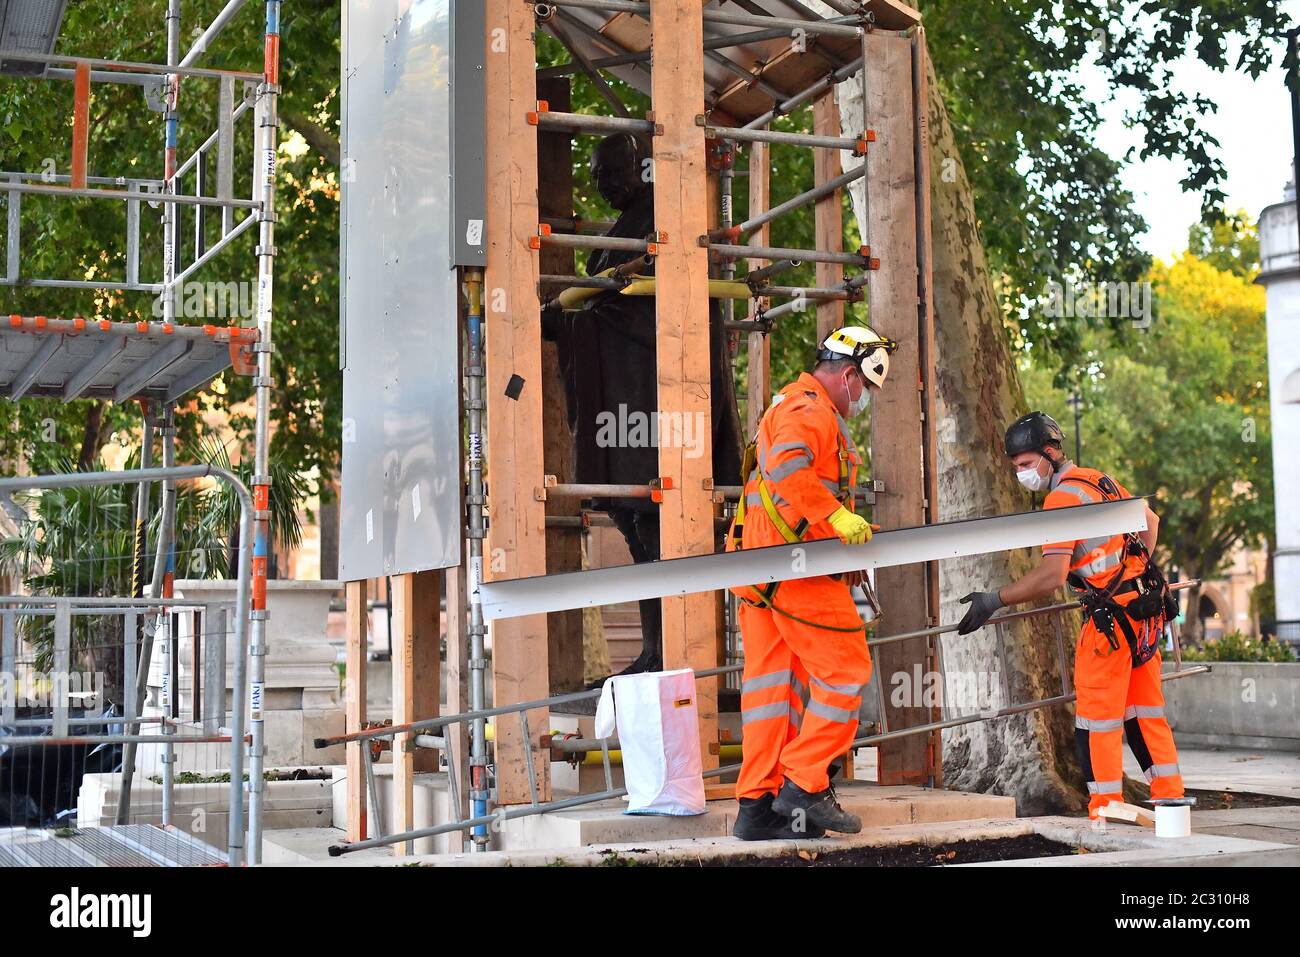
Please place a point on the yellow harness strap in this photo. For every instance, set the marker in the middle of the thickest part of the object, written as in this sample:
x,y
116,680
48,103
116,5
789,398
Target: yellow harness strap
x,y
767,593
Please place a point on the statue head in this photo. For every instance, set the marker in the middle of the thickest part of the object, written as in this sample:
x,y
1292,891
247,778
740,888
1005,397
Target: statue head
x,y
619,169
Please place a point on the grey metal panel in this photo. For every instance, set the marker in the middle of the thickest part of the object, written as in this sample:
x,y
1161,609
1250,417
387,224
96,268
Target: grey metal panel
x,y
401,501
50,361
468,133
29,26
903,546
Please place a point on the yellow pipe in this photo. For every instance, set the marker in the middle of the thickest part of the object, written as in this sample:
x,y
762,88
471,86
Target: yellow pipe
x,y
731,751
572,298
727,751
718,288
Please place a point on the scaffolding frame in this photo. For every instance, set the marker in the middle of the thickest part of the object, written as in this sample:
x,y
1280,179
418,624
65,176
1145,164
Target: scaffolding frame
x,y
694,142
434,734
259,96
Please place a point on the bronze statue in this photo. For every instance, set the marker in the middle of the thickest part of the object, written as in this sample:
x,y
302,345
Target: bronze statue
x,y
607,359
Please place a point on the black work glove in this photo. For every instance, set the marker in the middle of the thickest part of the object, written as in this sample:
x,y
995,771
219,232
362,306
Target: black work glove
x,y
983,605
552,317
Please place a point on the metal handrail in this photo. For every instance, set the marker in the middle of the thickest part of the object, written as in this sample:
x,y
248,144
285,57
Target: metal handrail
x,y
235,835
506,813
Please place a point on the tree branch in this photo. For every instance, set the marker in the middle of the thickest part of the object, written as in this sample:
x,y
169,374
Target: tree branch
x,y
317,137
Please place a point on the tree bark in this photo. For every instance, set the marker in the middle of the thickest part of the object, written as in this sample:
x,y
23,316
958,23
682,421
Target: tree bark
x,y
1030,755
90,436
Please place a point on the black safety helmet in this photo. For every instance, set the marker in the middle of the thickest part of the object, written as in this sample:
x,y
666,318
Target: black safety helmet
x,y
1031,432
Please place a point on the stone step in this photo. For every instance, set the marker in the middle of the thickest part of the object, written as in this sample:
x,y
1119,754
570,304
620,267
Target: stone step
x,y
606,822
296,846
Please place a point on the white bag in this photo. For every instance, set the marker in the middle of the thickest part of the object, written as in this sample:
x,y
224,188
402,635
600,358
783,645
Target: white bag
x,y
659,735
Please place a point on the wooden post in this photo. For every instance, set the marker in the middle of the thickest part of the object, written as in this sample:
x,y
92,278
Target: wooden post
x,y
828,214
829,234
563,545
416,676
897,423
760,352
80,124
358,621
682,336
457,682
516,543
925,334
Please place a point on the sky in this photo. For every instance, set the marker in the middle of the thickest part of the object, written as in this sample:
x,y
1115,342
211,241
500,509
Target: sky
x,y
1253,127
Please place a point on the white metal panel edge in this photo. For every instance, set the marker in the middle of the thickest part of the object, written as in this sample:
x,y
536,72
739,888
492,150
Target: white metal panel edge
x,y
905,546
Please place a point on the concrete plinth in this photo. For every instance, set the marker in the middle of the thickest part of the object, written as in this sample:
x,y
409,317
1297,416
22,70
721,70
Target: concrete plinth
x,y
430,803
605,823
203,810
301,687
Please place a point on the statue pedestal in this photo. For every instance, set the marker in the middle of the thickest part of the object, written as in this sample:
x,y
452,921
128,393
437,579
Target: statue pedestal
x,y
301,698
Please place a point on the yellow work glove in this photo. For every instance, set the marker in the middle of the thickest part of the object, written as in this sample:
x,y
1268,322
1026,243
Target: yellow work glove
x,y
852,529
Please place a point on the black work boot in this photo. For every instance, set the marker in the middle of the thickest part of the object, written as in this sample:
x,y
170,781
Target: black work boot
x,y
758,822
817,810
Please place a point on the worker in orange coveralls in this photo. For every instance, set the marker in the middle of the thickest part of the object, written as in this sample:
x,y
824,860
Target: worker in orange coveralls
x,y
1126,603
805,638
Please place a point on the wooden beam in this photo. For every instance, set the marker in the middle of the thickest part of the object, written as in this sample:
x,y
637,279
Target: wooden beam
x,y
416,666
682,336
760,353
829,213
897,426
354,707
457,682
828,227
80,124
925,338
563,545
516,543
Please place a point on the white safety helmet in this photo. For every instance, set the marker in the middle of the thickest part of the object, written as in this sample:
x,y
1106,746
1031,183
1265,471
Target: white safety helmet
x,y
863,345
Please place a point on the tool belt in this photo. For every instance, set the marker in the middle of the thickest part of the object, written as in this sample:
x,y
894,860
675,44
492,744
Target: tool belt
x,y
764,595
1140,620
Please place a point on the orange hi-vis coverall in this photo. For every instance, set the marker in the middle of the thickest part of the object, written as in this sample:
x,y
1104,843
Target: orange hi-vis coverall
x,y
1115,698
806,657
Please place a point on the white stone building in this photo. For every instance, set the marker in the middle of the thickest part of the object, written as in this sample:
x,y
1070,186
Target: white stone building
x,y
1279,248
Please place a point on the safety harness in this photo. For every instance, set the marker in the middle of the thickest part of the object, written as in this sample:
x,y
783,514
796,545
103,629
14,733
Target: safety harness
x,y
1153,606
735,535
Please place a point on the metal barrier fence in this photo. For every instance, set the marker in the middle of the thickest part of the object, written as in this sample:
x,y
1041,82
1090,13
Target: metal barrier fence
x,y
424,734
123,719
1286,632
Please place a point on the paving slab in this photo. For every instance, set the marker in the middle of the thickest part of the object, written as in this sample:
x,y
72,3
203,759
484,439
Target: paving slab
x,y
1233,769
310,845
606,822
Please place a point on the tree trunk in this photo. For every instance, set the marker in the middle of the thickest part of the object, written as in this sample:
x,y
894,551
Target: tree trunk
x,y
1193,633
1030,755
90,436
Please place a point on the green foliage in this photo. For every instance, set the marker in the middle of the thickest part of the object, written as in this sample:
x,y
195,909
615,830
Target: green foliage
x,y
1181,412
1235,646
1049,200
66,239
1230,245
81,541
1263,600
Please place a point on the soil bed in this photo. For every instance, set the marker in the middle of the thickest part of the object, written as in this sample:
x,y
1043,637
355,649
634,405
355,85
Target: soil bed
x,y
907,855
1228,800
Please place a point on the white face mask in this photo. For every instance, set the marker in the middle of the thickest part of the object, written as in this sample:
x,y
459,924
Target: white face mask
x,y
1032,479
859,405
